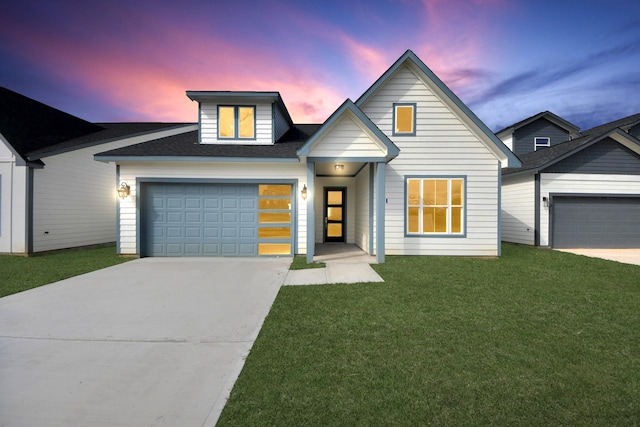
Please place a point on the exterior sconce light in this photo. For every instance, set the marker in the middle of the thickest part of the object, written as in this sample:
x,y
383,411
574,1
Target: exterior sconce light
x,y
545,202
339,167
303,193
124,190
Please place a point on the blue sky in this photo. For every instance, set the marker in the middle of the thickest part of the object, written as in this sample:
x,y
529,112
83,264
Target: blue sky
x,y
506,59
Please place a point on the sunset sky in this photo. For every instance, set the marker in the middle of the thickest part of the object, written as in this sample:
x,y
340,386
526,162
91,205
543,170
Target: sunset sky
x,y
113,60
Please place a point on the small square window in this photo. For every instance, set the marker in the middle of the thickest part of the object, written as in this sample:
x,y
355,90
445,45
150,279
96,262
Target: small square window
x,y
541,142
404,119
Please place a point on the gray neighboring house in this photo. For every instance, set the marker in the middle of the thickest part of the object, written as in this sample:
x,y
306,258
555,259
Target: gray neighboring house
x,y
53,195
574,189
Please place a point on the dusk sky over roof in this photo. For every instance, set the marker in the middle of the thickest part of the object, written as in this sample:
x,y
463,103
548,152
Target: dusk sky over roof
x,y
506,59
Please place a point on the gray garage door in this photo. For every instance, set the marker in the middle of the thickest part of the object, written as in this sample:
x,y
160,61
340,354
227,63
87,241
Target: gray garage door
x,y
186,219
596,222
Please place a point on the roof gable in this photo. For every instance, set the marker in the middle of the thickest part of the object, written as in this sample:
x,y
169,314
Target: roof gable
x,y
440,90
360,137
545,115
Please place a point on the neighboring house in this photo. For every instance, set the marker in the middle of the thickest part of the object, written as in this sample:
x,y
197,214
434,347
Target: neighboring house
x,y
537,132
407,169
581,193
53,195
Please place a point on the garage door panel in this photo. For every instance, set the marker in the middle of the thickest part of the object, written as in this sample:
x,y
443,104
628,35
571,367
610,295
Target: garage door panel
x,y
184,219
175,217
595,222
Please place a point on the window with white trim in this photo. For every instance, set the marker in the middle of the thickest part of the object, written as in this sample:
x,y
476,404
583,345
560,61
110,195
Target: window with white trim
x,y
435,206
404,119
236,122
541,142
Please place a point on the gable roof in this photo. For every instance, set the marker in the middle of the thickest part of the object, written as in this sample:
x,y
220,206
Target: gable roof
x,y
548,115
29,125
186,146
349,108
535,161
441,90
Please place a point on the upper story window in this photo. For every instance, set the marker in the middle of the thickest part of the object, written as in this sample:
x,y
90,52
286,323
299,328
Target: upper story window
x,y
541,142
404,119
237,122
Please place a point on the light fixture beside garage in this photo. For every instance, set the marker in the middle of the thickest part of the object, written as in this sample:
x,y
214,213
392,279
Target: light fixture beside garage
x,y
303,192
124,190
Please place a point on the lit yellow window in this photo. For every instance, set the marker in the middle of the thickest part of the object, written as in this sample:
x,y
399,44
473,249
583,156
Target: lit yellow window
x,y
435,206
226,122
404,119
246,118
236,122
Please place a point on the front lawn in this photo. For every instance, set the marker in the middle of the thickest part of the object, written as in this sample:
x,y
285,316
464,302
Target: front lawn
x,y
536,337
18,273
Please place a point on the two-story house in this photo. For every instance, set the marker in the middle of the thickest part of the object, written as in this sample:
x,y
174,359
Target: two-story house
x,y
574,189
407,169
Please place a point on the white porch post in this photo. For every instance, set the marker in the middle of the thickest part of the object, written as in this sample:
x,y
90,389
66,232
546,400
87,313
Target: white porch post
x,y
311,219
380,205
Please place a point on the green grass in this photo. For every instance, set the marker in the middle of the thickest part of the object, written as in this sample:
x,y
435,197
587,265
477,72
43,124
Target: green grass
x,y
21,273
535,338
300,263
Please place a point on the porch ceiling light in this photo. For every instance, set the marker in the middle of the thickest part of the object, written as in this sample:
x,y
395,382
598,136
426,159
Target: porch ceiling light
x,y
339,167
303,193
124,190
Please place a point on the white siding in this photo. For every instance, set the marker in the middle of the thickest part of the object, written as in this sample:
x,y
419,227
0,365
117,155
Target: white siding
x,y
581,184
75,196
362,237
255,172
320,184
209,126
346,139
13,203
518,209
443,146
508,141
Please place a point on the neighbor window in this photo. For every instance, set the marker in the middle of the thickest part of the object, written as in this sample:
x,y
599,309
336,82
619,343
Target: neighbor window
x,y
237,122
541,142
404,119
435,206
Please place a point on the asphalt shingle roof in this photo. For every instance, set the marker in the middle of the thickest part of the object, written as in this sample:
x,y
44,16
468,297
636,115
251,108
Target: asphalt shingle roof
x,y
187,145
108,132
541,158
30,125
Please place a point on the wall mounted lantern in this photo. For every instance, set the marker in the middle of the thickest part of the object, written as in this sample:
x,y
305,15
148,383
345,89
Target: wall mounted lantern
x,y
339,167
545,202
124,190
303,193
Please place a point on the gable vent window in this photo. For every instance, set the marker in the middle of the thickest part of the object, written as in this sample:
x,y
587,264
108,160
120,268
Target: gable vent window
x,y
404,119
541,142
237,122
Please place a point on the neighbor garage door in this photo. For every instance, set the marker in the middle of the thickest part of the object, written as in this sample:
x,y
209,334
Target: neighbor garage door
x,y
189,219
595,222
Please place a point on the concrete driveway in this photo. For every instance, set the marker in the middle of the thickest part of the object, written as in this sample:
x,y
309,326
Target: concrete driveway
x,y
626,256
154,341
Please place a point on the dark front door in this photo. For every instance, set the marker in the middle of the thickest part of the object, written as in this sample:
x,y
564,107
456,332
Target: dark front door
x,y
335,210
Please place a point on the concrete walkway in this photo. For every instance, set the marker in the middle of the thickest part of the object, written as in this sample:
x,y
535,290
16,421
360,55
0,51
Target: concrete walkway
x,y
626,256
154,341
344,264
